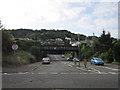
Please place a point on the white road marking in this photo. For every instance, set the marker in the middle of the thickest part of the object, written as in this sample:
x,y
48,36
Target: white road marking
x,y
53,73
61,73
43,73
111,68
83,73
64,73
22,73
5,73
69,65
74,73
104,73
95,70
112,72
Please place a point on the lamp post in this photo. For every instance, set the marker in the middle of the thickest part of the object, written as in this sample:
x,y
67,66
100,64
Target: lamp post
x,y
78,52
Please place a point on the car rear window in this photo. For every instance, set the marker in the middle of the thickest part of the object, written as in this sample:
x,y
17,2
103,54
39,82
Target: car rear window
x,y
46,59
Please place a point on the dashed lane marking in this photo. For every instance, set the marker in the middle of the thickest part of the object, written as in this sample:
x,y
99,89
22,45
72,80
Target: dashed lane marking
x,y
43,73
111,68
112,73
63,73
95,70
53,73
74,73
22,73
90,69
104,73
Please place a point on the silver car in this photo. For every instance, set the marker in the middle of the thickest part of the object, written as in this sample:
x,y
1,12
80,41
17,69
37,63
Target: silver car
x,y
46,60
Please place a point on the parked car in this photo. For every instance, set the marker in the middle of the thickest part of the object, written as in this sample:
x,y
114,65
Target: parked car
x,y
70,59
76,59
46,60
97,61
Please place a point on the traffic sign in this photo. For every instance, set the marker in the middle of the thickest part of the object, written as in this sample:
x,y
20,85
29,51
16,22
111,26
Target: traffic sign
x,y
14,46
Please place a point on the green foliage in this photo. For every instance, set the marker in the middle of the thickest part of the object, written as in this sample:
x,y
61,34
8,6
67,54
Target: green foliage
x,y
69,54
1,26
86,51
107,56
27,44
44,34
105,42
7,41
36,52
26,56
116,63
20,58
116,50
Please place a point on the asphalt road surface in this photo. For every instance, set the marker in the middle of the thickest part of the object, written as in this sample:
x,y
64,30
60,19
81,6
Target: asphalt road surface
x,y
63,74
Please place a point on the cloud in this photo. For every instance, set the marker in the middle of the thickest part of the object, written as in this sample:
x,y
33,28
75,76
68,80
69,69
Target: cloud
x,y
30,12
83,16
101,16
104,9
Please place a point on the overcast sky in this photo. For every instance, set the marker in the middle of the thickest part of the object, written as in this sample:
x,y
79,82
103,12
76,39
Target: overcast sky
x,y
76,16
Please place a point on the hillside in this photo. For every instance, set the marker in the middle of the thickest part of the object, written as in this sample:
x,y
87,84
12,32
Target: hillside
x,y
44,34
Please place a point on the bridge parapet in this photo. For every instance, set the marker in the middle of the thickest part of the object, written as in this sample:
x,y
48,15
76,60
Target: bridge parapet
x,y
65,48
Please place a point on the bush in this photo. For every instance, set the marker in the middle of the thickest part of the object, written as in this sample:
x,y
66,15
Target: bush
x,y
117,63
36,52
116,51
27,44
20,58
26,56
107,56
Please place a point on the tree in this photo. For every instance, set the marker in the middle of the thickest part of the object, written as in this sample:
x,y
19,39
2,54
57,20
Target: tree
x,y
36,52
105,42
86,51
7,40
1,26
116,51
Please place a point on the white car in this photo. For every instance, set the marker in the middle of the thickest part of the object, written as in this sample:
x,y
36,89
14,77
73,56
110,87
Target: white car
x,y
46,60
76,59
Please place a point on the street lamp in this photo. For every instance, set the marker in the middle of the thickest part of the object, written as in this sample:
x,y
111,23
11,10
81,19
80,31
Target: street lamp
x,y
78,51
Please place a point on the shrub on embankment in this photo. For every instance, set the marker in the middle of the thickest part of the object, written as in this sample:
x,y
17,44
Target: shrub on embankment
x,y
17,59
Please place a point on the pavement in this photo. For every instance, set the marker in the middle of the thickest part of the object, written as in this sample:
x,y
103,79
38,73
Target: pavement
x,y
24,68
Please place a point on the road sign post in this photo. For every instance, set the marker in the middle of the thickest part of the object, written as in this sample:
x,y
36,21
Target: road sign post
x,y
14,47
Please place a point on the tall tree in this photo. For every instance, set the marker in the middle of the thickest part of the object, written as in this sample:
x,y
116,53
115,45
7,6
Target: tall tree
x,y
116,51
105,42
7,40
